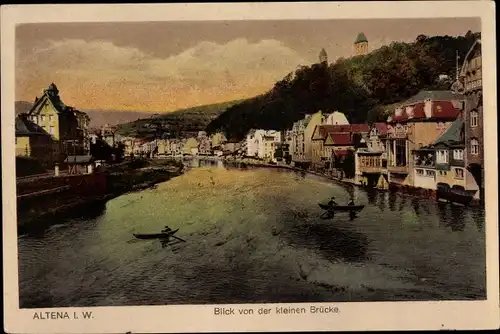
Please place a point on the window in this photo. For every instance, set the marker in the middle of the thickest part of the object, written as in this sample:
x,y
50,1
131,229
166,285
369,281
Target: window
x,y
474,119
51,118
430,173
458,154
459,173
440,125
43,118
420,172
51,130
442,157
400,153
474,146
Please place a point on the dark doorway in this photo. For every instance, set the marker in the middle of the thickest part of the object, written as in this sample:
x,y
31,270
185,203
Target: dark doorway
x,y
477,172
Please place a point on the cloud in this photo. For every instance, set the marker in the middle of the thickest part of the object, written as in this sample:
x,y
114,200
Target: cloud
x,y
206,69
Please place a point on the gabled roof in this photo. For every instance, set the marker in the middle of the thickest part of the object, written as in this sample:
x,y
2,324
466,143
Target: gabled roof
x,y
452,135
434,95
477,44
322,131
342,139
51,94
59,106
361,38
24,127
322,53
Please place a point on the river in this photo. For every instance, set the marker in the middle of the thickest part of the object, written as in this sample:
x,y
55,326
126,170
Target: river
x,y
255,235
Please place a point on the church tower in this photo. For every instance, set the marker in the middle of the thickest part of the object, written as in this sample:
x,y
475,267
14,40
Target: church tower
x,y
361,45
323,57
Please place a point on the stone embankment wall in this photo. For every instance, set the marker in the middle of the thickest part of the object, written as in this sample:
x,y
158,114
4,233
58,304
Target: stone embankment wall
x,y
46,197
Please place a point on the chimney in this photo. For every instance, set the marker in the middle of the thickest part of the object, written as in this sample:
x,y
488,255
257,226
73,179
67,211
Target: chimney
x,y
428,108
409,112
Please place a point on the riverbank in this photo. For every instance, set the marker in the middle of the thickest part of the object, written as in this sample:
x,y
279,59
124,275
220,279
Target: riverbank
x,y
44,209
403,190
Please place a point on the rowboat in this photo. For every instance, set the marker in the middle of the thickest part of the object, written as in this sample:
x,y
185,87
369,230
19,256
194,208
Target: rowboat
x,y
455,194
156,235
349,208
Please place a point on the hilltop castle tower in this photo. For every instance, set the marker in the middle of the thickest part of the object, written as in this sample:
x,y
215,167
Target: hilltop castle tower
x,y
361,45
323,57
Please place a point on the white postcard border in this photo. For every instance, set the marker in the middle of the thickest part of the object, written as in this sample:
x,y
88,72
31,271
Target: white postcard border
x,y
191,318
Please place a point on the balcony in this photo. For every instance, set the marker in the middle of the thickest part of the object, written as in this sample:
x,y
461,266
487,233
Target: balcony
x,y
370,164
370,169
398,169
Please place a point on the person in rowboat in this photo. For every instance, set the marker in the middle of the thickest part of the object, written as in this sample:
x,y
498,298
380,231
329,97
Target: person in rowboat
x,y
166,230
332,202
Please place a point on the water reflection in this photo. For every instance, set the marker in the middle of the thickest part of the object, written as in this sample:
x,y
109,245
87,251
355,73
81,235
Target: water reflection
x,y
402,202
87,212
247,231
457,223
372,196
415,203
335,243
383,198
392,200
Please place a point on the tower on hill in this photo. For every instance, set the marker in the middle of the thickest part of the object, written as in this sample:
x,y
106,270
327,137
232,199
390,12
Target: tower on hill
x,y
323,57
361,45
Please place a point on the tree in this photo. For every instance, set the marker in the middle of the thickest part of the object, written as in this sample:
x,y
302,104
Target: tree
x,y
119,151
100,150
359,87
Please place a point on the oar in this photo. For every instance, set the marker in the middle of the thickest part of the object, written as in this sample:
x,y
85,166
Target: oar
x,y
173,236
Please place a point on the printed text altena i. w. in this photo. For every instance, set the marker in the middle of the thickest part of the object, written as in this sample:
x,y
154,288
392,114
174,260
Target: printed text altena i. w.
x,y
53,315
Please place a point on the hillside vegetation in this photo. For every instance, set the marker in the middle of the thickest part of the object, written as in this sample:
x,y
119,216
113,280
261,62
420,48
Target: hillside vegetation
x,y
178,123
361,87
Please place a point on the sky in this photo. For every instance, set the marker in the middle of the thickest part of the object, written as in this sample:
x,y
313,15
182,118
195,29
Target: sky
x,y
165,66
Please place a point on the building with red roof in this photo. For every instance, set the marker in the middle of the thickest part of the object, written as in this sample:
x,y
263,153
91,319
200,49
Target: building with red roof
x,y
416,123
334,141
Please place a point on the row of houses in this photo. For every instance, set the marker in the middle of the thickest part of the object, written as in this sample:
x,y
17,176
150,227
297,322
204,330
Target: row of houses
x,y
434,140
431,140
201,145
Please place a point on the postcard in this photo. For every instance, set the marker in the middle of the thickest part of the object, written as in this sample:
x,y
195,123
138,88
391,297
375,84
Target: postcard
x,y
249,167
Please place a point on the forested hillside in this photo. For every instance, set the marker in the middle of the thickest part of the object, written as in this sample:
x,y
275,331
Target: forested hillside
x,y
360,87
175,124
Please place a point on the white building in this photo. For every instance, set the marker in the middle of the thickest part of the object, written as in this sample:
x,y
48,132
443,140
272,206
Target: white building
x,y
252,143
267,143
335,118
262,143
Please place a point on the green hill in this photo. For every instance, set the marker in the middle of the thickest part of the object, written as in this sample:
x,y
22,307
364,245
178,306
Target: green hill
x,y
179,123
361,87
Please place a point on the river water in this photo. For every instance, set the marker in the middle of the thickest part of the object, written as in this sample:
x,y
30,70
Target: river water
x,y
255,235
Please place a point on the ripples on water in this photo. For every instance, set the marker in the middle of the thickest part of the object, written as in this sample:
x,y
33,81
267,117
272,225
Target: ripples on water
x,y
255,235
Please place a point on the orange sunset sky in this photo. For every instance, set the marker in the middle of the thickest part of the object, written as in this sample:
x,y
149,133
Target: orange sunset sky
x,y
164,66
